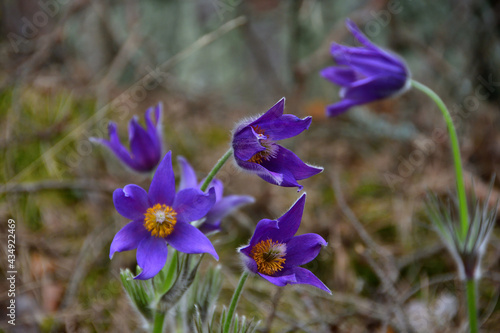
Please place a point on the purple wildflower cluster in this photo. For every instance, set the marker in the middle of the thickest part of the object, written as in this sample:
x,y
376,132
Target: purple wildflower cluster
x,y
163,216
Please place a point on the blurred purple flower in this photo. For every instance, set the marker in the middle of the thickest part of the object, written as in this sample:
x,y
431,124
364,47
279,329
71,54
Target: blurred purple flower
x,y
159,217
145,144
223,205
276,254
255,149
365,73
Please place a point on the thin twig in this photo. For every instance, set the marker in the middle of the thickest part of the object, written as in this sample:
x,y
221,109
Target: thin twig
x,y
432,281
272,314
390,264
419,254
392,292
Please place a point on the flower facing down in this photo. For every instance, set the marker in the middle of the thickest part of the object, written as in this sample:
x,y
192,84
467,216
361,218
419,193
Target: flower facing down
x,y
159,217
276,254
365,73
223,205
145,144
255,148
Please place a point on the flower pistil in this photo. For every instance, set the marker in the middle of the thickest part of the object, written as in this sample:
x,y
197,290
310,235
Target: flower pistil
x,y
160,220
268,256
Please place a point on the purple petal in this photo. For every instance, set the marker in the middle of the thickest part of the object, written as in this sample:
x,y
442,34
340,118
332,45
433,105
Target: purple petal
x,y
131,201
154,128
262,231
151,256
188,175
280,281
188,239
129,237
249,263
144,150
353,28
288,223
225,207
269,176
390,58
117,147
302,249
284,127
162,188
218,186
340,75
273,113
373,88
367,62
192,204
341,107
290,166
151,126
305,276
246,143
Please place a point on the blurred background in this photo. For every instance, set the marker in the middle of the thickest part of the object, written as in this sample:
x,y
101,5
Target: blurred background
x,y
69,67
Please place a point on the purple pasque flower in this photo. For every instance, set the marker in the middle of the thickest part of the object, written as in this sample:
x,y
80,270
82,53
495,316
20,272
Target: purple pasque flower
x,y
161,216
276,254
365,73
145,143
223,205
255,148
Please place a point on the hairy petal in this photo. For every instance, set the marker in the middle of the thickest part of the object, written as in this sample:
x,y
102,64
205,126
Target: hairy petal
x,y
226,206
286,126
128,238
192,204
188,239
131,201
302,249
151,256
288,223
304,276
162,188
273,113
280,281
115,145
188,175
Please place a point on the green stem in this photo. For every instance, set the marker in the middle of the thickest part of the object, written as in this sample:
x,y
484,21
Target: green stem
x,y
158,322
462,198
216,169
234,301
470,286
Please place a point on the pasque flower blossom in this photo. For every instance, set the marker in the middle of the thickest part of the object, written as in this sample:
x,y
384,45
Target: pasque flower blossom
x,y
255,148
145,143
161,216
223,206
365,73
275,253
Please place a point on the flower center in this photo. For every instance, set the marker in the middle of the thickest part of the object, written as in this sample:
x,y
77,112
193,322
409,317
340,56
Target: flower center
x,y
160,220
271,148
269,256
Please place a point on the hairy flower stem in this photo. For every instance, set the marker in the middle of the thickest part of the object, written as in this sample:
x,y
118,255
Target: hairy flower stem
x,y
462,198
470,286
216,169
234,301
158,322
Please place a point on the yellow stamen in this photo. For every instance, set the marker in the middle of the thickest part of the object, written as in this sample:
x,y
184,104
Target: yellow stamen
x,y
268,153
269,256
160,220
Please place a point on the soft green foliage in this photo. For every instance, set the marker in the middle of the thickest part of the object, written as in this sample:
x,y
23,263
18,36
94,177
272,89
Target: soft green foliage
x,y
141,293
